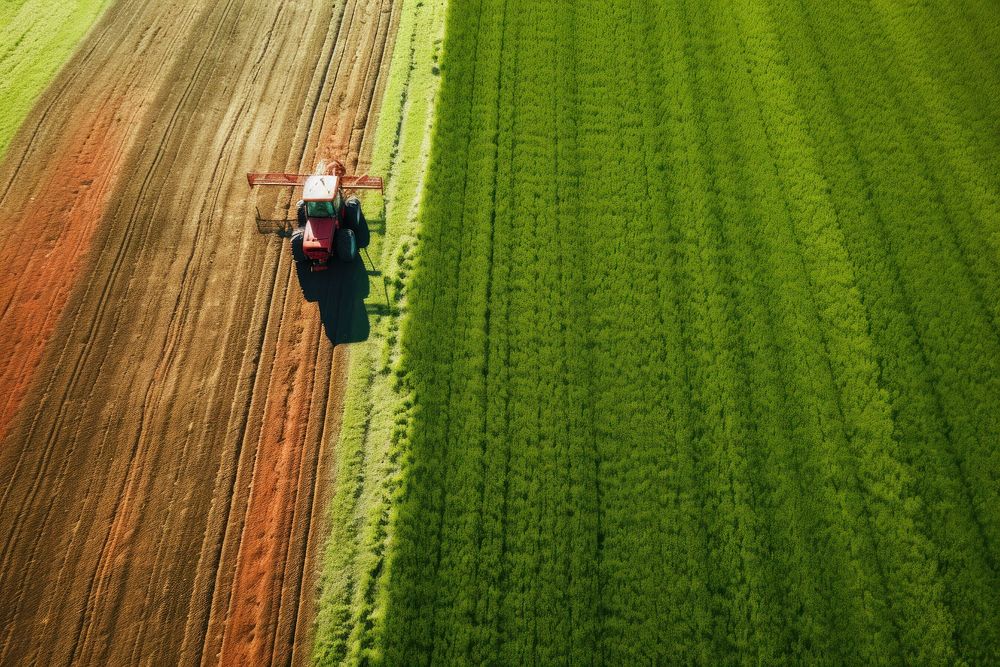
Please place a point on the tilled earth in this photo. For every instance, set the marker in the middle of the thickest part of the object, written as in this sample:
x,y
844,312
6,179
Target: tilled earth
x,y
169,385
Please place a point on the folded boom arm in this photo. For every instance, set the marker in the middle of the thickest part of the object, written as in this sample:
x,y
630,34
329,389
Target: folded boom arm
x,y
362,183
276,178
290,180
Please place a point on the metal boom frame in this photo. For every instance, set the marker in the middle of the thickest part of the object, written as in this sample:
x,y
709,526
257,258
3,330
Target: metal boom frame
x,y
282,179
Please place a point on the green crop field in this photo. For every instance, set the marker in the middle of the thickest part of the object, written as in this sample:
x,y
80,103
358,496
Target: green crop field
x,y
36,38
701,362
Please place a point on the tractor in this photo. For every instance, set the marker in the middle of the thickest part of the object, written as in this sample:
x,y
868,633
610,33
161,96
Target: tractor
x,y
329,225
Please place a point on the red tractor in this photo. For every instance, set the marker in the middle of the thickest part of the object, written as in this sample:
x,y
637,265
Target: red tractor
x,y
329,225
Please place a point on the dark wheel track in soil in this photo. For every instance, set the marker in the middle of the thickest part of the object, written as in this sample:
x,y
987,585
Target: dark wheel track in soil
x,y
170,394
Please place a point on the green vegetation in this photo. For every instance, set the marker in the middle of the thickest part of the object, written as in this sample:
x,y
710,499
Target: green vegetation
x,y
702,363
36,38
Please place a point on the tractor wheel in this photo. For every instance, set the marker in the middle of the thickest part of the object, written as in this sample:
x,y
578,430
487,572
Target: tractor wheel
x,y
298,253
300,213
354,219
347,244
364,236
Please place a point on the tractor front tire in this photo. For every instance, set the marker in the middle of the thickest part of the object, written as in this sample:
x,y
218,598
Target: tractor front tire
x,y
354,219
347,244
300,213
298,253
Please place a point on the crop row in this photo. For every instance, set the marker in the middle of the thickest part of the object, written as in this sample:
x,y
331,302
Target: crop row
x,y
703,347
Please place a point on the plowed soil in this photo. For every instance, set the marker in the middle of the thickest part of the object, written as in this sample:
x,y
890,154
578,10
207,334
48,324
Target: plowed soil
x,y
170,385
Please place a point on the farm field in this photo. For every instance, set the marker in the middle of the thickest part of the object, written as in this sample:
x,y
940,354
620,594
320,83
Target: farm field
x,y
678,339
701,362
170,386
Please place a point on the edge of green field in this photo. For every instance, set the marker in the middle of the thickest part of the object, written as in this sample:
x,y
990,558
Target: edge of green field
x,y
369,453
37,37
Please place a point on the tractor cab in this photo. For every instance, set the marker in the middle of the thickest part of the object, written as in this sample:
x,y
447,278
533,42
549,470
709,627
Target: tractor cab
x,y
320,217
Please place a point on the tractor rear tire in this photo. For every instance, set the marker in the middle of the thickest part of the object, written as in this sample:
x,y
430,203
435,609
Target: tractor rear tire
x,y
361,231
354,219
298,253
300,213
347,244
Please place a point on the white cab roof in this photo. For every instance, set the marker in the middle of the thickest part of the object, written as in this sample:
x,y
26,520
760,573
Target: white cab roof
x,y
320,188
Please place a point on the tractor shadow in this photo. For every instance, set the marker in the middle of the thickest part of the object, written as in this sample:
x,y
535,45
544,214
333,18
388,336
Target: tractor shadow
x,y
340,293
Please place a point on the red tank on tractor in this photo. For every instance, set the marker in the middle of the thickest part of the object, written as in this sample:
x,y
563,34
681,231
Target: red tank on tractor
x,y
329,225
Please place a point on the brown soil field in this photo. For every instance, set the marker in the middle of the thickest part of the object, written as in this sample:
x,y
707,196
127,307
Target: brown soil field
x,y
170,385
